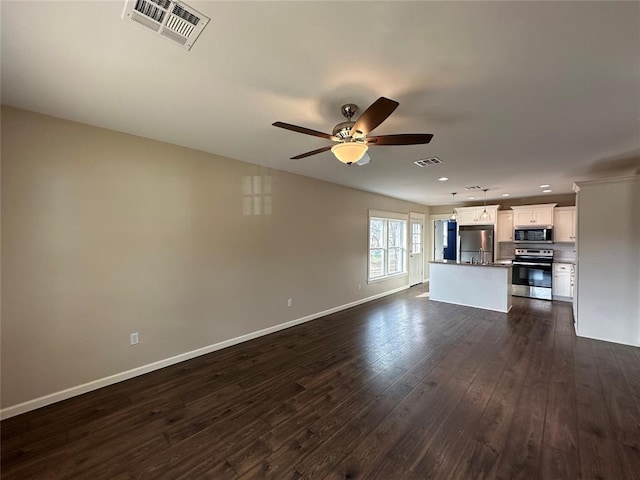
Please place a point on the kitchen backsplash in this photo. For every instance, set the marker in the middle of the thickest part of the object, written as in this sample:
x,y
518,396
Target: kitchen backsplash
x,y
562,252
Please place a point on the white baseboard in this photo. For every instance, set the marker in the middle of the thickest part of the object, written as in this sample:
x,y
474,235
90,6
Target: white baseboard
x,y
610,340
135,372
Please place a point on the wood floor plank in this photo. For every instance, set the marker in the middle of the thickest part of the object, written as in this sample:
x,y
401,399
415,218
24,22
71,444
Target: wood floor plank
x,y
558,464
597,448
401,388
521,454
303,412
496,419
518,458
561,423
432,439
282,461
415,374
622,409
425,405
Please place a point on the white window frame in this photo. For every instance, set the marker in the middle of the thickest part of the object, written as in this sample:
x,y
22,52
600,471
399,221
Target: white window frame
x,y
386,217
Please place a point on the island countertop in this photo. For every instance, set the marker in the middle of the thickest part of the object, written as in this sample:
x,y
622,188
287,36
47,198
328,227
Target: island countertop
x,y
487,287
499,264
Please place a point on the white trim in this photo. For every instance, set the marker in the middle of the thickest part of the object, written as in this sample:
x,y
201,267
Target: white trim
x,y
135,372
388,215
538,205
627,178
390,277
595,337
439,216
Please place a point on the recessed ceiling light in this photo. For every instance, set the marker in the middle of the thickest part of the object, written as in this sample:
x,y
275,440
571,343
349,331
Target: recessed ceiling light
x,y
443,179
547,191
472,198
506,194
545,186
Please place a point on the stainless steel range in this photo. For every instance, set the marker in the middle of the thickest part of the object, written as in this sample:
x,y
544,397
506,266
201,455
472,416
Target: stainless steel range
x,y
532,273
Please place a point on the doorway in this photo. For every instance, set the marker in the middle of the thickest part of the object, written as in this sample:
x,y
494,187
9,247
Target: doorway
x,y
445,240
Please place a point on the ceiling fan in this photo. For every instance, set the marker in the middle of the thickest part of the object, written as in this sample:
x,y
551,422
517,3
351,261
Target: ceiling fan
x,y
352,136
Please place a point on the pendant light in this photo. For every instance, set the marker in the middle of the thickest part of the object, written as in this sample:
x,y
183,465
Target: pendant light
x,y
484,216
453,216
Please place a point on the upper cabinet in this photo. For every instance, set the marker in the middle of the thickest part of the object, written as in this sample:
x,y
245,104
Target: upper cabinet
x,y
471,215
505,226
533,215
564,224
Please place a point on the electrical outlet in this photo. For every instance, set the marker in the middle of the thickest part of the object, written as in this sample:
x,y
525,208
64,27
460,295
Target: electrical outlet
x,y
290,302
134,338
359,286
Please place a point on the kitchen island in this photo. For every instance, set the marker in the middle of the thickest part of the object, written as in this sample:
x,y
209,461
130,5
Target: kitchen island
x,y
486,286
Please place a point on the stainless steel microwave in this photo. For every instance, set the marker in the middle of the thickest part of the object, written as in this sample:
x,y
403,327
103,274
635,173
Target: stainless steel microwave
x,y
533,234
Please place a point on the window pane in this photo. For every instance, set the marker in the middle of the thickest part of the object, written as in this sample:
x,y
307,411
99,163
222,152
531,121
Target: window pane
x,y
416,246
395,233
376,233
376,262
416,238
395,261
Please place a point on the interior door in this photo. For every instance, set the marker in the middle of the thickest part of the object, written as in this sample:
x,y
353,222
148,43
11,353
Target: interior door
x,y
416,259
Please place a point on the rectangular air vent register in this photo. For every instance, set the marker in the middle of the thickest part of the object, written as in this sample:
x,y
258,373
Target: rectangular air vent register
x,y
426,162
174,20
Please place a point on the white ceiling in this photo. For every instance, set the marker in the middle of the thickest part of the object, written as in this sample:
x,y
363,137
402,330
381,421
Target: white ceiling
x,y
517,94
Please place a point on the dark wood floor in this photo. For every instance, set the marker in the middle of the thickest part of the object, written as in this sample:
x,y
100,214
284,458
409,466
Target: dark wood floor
x,y
400,388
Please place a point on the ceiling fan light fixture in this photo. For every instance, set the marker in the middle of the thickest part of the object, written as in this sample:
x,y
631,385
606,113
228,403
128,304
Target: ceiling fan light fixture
x,y
349,152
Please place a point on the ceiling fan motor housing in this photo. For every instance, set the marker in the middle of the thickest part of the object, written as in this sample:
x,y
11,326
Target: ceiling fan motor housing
x,y
349,110
343,130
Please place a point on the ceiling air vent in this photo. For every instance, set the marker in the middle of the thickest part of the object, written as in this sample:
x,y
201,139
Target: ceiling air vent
x,y
474,187
428,161
171,19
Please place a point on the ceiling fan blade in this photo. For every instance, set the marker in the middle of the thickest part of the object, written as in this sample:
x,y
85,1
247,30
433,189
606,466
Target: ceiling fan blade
x,y
308,131
401,139
313,152
374,115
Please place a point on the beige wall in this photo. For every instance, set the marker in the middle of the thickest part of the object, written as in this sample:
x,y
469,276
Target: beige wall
x,y
104,234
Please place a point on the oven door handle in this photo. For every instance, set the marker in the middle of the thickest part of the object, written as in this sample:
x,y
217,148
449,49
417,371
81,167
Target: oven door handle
x,y
532,264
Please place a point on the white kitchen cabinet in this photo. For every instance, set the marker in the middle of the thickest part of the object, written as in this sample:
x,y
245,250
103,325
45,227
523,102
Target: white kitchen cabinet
x,y
564,224
505,226
533,215
563,280
471,215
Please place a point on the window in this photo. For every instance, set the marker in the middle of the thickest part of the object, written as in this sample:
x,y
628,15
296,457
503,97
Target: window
x,y
416,238
387,244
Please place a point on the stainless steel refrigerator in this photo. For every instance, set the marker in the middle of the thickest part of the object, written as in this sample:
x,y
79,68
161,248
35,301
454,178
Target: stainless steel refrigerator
x,y
475,243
